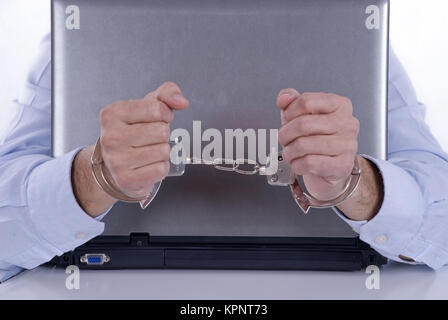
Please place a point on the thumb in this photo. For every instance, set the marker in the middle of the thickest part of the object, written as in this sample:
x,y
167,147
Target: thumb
x,y
286,97
170,94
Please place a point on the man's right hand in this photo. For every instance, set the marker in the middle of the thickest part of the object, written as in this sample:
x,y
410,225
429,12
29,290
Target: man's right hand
x,y
135,147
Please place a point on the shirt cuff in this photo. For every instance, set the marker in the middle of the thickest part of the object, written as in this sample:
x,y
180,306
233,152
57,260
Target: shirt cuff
x,y
394,230
9,273
54,209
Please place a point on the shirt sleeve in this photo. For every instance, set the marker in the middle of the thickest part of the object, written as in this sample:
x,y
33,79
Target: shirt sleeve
x,y
39,214
413,219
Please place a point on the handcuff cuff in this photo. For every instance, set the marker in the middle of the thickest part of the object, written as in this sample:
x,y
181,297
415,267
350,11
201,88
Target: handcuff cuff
x,y
306,201
108,186
283,177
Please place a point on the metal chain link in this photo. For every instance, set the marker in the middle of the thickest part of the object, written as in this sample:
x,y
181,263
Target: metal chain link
x,y
230,165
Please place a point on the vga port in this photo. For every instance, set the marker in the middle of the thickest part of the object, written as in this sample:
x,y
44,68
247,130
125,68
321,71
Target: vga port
x,y
94,258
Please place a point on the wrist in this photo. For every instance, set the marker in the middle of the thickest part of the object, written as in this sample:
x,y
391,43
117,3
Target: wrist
x,y
91,198
366,201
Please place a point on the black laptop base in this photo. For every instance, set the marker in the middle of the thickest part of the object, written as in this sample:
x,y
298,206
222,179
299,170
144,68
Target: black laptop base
x,y
142,251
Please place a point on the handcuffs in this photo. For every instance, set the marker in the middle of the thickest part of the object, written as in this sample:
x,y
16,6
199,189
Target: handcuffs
x,y
108,186
282,177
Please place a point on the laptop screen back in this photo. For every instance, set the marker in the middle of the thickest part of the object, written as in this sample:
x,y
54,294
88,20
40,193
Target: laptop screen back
x,y
230,58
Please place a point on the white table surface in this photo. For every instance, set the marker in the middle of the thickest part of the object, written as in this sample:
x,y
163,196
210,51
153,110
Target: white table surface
x,y
397,281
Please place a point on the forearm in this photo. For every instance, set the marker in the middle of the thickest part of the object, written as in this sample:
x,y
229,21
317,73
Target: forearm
x,y
366,201
92,199
38,209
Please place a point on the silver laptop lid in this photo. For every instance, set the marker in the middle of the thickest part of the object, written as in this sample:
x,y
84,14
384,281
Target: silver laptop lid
x,y
230,59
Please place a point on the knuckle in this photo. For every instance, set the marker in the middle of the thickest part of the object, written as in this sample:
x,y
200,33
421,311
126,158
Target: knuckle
x,y
165,151
106,115
305,100
161,170
356,126
353,147
165,168
157,173
169,84
344,103
347,102
350,126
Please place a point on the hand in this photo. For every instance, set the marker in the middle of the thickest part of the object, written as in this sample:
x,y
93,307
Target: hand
x,y
135,147
320,139
135,139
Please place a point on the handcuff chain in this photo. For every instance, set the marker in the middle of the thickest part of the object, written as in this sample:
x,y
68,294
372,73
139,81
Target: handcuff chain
x,y
228,165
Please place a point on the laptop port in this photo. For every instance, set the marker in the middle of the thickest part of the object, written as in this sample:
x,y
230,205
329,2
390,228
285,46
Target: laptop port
x,y
95,258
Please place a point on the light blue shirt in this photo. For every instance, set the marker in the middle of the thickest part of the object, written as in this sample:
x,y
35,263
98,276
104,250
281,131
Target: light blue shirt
x,y
40,217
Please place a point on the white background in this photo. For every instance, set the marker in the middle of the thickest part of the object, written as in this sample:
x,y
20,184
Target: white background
x,y
419,30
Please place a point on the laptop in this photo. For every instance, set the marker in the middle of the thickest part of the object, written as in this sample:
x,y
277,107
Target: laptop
x,y
230,58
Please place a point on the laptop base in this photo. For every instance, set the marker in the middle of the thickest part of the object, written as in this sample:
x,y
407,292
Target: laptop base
x,y
142,251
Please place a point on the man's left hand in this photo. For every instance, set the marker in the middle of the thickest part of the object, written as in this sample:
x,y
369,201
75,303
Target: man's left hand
x,y
319,136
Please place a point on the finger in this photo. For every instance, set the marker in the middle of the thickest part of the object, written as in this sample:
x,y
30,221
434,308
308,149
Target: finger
x,y
144,156
152,173
137,111
330,168
171,95
134,158
286,97
307,125
327,145
316,103
282,118
145,134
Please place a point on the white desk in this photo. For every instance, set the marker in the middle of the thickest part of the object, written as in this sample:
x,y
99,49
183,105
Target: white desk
x,y
397,281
